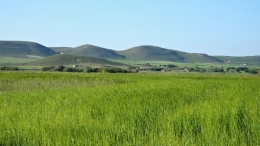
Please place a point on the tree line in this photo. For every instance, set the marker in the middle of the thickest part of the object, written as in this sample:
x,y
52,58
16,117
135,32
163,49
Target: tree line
x,y
88,69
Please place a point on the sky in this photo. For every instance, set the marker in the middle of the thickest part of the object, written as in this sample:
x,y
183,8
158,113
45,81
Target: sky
x,y
214,27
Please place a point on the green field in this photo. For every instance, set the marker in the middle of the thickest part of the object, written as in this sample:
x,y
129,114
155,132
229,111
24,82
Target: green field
x,y
182,65
16,60
128,109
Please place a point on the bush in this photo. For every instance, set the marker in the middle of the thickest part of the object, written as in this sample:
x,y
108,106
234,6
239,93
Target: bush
x,y
115,70
239,69
9,68
58,68
93,70
216,69
47,68
2,68
156,69
110,70
253,71
231,68
171,66
197,69
72,69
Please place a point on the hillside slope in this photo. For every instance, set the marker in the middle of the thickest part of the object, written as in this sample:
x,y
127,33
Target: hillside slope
x,y
66,59
251,60
161,54
61,49
22,48
94,51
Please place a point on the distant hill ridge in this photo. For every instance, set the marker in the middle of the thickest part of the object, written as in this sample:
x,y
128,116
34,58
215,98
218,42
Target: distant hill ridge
x,y
150,53
143,53
240,60
139,53
21,48
95,51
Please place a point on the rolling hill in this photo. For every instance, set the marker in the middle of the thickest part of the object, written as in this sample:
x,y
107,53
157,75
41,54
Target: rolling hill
x,y
94,51
25,50
61,49
66,59
154,53
22,48
250,60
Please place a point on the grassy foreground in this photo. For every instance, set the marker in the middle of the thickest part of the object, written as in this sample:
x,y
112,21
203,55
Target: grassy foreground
x,y
128,109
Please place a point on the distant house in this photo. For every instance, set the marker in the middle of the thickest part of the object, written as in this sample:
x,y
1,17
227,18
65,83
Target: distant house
x,y
244,64
229,61
75,65
61,53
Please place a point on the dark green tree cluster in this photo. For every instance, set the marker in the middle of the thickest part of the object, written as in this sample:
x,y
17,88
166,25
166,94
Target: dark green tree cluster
x,y
116,70
9,68
253,71
170,66
58,68
197,69
156,69
72,69
247,70
240,69
53,68
230,68
47,68
216,69
88,69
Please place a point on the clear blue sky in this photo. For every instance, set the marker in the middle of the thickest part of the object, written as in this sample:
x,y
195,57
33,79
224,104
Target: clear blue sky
x,y
214,27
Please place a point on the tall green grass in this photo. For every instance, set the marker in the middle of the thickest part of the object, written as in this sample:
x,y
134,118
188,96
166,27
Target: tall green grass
x,y
128,109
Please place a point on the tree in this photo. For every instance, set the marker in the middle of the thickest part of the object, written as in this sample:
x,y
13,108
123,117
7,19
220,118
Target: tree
x,y
253,71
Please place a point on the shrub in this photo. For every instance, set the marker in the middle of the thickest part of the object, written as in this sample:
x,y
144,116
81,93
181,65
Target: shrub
x,y
216,69
115,70
253,71
230,68
2,68
93,70
47,68
171,66
9,68
156,69
58,68
239,69
72,69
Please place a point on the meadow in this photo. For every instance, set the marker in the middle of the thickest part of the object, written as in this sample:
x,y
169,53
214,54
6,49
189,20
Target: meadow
x,y
52,108
16,60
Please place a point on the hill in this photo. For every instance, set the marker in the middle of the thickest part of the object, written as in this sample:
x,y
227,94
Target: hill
x,y
22,48
25,50
94,51
66,59
155,53
61,49
250,60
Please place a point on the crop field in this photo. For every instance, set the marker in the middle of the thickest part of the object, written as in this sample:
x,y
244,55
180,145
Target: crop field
x,y
39,108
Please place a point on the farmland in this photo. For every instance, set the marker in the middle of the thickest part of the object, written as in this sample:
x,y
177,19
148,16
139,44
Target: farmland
x,y
52,108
